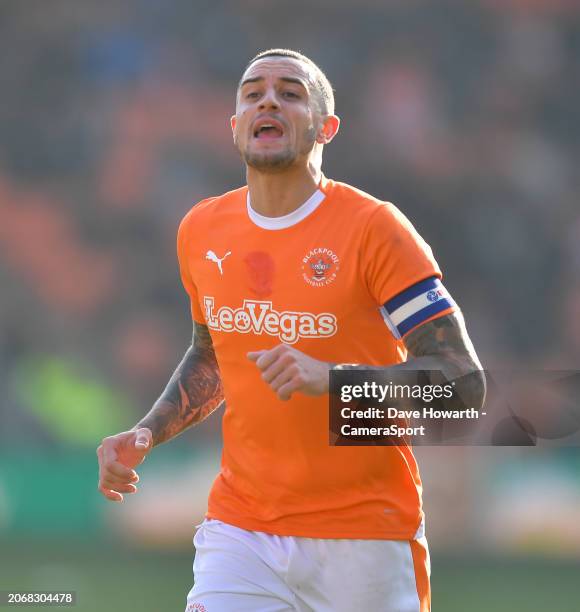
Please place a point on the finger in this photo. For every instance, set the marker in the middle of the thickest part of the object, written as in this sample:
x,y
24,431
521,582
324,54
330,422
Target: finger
x,y
274,370
108,452
118,487
253,355
267,358
110,477
285,391
120,471
106,467
284,377
112,495
143,438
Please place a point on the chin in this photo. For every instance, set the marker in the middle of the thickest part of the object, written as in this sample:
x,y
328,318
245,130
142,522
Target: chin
x,y
271,161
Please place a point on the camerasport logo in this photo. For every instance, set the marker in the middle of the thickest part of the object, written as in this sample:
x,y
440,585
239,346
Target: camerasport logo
x,y
260,317
320,266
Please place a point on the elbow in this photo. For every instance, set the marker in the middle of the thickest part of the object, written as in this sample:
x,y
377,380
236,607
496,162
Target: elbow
x,y
480,389
471,389
469,381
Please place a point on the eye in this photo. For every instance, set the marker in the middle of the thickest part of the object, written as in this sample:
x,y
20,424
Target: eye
x,y
252,95
290,94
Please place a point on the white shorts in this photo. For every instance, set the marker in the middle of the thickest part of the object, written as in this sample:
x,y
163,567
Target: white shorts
x,y
248,571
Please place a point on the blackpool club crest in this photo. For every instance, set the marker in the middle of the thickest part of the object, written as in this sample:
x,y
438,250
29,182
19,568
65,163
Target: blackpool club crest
x,y
320,266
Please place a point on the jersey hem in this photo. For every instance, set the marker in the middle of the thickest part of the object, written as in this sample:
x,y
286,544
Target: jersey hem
x,y
333,534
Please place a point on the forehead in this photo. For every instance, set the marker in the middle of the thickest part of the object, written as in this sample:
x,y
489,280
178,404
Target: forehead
x,y
278,67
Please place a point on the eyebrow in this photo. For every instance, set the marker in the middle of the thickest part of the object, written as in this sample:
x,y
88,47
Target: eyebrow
x,y
286,79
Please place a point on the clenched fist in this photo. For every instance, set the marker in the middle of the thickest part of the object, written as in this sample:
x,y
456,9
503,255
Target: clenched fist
x,y
287,370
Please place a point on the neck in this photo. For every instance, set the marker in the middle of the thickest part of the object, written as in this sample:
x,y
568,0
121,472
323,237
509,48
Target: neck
x,y
278,194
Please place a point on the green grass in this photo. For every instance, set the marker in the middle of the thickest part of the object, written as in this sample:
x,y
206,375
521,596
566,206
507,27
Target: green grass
x,y
505,585
118,580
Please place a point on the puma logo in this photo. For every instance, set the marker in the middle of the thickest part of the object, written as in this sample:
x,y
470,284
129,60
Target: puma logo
x,y
217,260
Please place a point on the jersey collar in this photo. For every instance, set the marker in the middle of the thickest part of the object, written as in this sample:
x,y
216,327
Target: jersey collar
x,y
279,223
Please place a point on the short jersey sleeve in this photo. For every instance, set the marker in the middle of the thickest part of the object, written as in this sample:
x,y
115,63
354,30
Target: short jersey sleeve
x,y
183,237
394,256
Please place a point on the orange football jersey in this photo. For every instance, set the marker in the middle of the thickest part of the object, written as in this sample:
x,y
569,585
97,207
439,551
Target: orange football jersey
x,y
314,279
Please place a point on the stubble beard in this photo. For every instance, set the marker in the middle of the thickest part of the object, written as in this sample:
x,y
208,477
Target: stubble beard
x,y
281,160
270,162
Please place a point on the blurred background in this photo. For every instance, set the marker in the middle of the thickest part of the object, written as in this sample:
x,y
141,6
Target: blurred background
x,y
114,120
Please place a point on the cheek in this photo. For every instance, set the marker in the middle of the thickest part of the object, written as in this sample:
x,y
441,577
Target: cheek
x,y
308,123
242,123
308,131
239,129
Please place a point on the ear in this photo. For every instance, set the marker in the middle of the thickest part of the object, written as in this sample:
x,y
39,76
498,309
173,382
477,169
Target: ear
x,y
233,123
328,129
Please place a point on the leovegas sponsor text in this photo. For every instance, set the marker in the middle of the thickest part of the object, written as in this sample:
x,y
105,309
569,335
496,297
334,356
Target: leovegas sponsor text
x,y
260,317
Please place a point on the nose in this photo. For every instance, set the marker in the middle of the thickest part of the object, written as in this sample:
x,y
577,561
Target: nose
x,y
269,100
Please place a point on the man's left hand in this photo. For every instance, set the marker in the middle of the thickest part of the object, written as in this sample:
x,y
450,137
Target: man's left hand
x,y
287,370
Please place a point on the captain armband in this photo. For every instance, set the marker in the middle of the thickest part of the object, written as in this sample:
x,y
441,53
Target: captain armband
x,y
415,305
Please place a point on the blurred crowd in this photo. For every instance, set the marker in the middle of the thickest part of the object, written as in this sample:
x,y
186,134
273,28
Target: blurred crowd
x,y
114,120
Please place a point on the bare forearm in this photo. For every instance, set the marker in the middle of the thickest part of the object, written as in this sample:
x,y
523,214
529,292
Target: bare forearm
x,y
193,392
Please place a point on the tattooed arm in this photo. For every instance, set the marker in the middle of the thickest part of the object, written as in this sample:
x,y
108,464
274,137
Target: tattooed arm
x,y
441,346
193,392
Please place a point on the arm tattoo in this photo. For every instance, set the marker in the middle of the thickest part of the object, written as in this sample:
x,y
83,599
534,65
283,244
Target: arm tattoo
x,y
444,338
443,348
193,392
444,345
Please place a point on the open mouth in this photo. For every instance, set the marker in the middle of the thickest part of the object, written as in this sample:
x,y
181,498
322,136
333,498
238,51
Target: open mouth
x,y
268,130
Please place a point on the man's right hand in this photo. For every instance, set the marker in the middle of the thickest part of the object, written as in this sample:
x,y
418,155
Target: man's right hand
x,y
118,455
